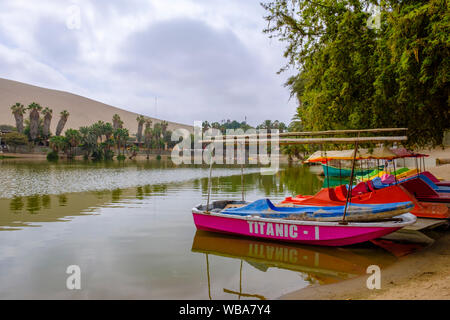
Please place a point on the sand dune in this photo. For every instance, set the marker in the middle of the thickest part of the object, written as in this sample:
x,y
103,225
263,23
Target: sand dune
x,y
83,111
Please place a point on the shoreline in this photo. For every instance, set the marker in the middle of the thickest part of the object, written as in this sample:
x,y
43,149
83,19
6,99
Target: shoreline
x,y
411,277
283,159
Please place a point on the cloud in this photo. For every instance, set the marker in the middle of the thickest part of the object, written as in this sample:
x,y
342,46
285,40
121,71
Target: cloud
x,y
63,48
203,60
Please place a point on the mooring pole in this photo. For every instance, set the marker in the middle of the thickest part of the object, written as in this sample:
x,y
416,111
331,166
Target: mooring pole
x,y
349,193
209,182
328,177
209,279
378,167
242,181
395,172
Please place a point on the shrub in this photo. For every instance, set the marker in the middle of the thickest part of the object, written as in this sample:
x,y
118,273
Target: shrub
x,y
52,156
15,139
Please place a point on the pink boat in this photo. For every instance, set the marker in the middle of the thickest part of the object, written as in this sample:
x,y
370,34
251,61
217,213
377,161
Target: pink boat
x,y
322,233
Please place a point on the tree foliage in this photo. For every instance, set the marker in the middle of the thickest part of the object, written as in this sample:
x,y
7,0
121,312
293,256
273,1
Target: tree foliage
x,y
352,76
15,139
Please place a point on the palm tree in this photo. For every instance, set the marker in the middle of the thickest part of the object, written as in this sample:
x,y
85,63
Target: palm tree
x,y
267,124
148,124
117,122
141,121
157,135
58,143
108,130
164,125
73,139
121,136
62,122
34,120
18,110
148,134
47,120
205,126
98,130
282,127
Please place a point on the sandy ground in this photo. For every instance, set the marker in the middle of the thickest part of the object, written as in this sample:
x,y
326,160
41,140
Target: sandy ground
x,y
442,172
422,275
83,111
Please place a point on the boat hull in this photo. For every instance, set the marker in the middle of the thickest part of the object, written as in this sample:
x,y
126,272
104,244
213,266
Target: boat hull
x,y
306,232
343,172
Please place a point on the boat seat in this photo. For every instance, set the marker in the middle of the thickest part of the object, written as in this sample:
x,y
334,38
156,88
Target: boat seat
x,y
360,188
234,205
332,195
370,185
341,193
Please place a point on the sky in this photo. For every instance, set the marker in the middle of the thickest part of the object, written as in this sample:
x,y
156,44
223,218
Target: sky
x,y
179,60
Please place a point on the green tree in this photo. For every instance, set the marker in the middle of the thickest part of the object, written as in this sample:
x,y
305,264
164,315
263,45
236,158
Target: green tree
x,y
120,137
148,137
58,143
353,76
15,139
73,138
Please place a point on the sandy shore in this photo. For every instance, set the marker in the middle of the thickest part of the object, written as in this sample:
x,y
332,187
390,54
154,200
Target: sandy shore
x,y
422,275
442,172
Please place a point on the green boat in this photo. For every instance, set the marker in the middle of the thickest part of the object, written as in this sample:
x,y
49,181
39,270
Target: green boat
x,y
343,172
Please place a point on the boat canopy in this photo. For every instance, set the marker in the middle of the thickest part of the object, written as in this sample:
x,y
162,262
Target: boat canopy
x,y
377,153
404,153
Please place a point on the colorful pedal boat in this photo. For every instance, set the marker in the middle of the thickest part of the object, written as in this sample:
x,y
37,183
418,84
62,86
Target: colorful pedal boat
x,y
423,191
396,193
420,188
266,224
342,172
436,181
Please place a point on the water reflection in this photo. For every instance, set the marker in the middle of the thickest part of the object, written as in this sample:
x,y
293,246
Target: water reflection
x,y
18,210
317,265
16,204
25,178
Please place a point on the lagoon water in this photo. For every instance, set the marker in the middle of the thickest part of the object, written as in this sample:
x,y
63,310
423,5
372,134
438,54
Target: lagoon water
x,y
129,228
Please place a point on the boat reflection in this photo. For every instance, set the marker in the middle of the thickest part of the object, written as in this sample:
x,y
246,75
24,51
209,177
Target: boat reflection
x,y
318,265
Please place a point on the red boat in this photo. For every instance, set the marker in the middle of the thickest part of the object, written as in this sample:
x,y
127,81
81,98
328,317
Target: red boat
x,y
436,181
395,193
422,191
